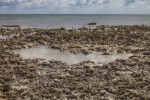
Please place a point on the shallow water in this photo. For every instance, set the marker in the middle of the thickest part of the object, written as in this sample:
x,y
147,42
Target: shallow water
x,y
8,36
66,57
10,28
2,37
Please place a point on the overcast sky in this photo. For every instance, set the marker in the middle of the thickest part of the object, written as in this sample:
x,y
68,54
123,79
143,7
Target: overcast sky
x,y
75,6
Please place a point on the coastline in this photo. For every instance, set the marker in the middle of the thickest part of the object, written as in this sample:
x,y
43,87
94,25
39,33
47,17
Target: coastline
x,y
40,79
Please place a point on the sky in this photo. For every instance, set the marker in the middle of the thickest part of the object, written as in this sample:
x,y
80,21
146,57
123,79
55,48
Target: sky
x,y
74,6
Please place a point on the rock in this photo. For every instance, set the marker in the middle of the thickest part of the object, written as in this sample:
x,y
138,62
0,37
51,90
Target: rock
x,y
7,79
6,88
92,23
24,93
105,53
86,67
12,92
3,97
32,75
2,81
102,92
86,80
84,51
146,53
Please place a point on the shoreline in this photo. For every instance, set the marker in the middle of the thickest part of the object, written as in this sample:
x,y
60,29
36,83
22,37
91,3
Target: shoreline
x,y
40,79
86,25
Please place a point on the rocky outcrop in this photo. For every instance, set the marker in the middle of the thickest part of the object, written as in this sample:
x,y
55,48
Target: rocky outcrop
x,y
40,79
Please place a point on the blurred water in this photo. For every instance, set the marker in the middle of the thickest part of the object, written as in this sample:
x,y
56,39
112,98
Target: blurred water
x,y
9,36
71,21
2,37
43,52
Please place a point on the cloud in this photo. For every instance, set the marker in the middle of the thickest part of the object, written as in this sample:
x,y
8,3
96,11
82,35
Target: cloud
x,y
68,6
12,3
50,3
61,3
127,2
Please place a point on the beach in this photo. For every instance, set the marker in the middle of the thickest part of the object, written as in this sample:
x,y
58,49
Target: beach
x,y
28,77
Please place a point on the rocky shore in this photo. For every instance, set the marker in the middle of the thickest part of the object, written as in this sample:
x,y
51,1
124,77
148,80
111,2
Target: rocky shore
x,y
38,79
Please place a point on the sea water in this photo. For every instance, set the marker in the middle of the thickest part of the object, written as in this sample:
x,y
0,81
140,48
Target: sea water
x,y
71,20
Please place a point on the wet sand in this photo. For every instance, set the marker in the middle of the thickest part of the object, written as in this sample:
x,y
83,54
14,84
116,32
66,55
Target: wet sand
x,y
49,79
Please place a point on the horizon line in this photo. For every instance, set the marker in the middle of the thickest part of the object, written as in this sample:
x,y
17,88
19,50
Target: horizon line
x,y
72,14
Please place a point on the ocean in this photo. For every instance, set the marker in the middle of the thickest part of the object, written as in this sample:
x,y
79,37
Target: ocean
x,y
71,20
